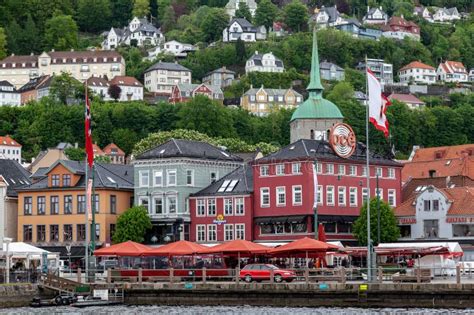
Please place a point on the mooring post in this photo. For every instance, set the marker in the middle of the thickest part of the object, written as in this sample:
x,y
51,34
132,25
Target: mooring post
x,y
272,275
109,275
380,274
306,275
343,275
237,275
171,275
204,275
140,275
79,275
458,274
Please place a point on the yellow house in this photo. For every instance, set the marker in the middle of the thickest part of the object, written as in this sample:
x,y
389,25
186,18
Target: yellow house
x,y
262,101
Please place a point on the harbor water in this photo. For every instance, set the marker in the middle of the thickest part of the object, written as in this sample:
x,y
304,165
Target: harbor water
x,y
228,310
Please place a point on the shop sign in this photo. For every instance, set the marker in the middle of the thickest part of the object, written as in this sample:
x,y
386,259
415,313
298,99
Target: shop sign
x,y
219,219
407,221
460,220
342,140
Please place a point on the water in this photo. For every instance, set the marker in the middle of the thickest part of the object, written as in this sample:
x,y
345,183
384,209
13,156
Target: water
x,y
228,310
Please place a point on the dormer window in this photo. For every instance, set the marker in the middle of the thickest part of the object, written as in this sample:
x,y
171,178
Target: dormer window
x,y
432,173
55,180
439,154
66,180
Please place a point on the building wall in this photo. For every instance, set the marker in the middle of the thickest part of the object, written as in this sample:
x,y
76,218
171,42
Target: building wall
x,y
28,96
48,159
10,98
417,75
10,152
162,81
8,214
301,128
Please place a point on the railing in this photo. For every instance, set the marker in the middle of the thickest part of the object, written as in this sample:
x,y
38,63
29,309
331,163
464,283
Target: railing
x,y
20,276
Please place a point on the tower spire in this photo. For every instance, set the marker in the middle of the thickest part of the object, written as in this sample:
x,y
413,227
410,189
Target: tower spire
x,y
315,87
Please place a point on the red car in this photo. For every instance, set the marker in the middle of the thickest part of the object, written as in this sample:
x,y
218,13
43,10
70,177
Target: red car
x,y
259,272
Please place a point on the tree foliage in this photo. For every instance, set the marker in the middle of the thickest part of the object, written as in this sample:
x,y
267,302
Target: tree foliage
x,y
94,15
132,225
61,33
266,14
243,12
64,88
75,154
141,8
213,24
296,16
3,43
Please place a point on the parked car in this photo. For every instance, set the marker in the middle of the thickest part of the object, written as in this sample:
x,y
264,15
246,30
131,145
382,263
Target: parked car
x,y
259,272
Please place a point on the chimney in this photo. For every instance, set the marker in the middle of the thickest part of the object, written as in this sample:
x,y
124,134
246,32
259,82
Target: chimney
x,y
256,52
368,8
72,49
52,50
76,145
31,54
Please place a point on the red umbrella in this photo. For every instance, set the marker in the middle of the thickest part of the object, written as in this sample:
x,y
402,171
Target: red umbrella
x,y
321,233
179,248
128,248
304,245
236,247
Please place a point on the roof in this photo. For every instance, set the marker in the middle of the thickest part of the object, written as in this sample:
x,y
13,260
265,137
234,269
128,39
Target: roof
x,y
406,98
314,108
238,182
33,83
257,59
97,82
309,149
272,92
190,87
63,145
126,81
447,152
97,150
233,4
328,65
113,149
29,61
246,25
6,83
14,175
8,141
172,66
453,67
417,65
95,56
46,83
220,70
373,10
188,148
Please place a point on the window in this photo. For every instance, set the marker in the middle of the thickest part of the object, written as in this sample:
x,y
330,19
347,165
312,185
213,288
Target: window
x,y
239,206
329,168
143,178
391,173
341,196
264,170
228,206
67,228
353,196
228,232
364,195
280,196
68,204
55,180
113,204
158,205
54,233
81,204
200,207
143,201
297,195
320,194
435,204
296,168
28,205
27,233
391,197
341,170
171,177
378,172
344,227
189,177
364,171
430,227
319,168
97,232
158,178
330,195
352,170
54,206
280,169
95,201
426,205
460,230
240,231
111,231
264,197
200,233
41,233
81,232
171,204
66,180
212,233
213,177
211,207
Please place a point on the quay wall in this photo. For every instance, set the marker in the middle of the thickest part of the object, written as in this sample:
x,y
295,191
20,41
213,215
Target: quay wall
x,y
17,295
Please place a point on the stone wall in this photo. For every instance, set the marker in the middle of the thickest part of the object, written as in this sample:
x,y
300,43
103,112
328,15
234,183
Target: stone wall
x,y
17,295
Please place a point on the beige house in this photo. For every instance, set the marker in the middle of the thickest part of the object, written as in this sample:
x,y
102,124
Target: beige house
x,y
18,70
262,101
162,76
49,156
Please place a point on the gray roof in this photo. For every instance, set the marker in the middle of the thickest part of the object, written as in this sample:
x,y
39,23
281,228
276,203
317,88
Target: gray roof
x,y
257,59
14,175
6,83
327,65
189,87
319,149
167,66
360,95
271,92
246,25
332,13
220,70
63,145
147,28
174,148
244,185
32,84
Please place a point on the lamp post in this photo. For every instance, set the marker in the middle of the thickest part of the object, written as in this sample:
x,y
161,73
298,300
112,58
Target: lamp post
x,y
378,209
7,241
315,203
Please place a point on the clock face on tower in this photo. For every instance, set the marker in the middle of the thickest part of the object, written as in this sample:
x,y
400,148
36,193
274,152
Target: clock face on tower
x,y
343,140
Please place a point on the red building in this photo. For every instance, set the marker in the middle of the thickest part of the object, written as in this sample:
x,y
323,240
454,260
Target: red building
x,y
223,211
184,92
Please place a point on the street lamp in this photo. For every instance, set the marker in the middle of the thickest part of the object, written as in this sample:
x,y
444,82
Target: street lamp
x,y
7,240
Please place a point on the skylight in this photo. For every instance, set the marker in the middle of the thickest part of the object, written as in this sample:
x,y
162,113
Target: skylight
x,y
448,162
232,185
162,151
111,179
224,185
225,154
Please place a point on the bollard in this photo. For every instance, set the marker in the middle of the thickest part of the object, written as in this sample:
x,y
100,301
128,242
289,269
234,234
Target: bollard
x,y
306,275
79,275
343,275
171,275
272,275
140,275
380,272
109,275
458,274
204,275
418,275
237,275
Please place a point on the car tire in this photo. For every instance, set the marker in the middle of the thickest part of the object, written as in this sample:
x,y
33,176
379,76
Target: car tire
x,y
58,300
248,278
278,278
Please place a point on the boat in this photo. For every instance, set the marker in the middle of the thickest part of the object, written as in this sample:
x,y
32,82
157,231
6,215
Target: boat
x,y
58,300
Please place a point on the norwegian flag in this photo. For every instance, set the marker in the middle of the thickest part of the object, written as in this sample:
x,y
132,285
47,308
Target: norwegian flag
x,y
88,132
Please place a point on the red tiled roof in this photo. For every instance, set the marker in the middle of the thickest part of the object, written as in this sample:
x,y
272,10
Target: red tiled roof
x,y
97,149
124,80
417,65
108,150
97,81
8,141
406,98
453,67
448,152
406,209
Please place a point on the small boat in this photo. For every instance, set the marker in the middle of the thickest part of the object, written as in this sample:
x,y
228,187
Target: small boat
x,y
95,302
100,298
58,300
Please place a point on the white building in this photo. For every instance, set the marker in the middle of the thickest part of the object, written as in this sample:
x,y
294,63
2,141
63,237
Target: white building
x,y
221,77
139,32
264,63
10,149
100,87
443,15
9,95
162,76
327,17
382,71
375,16
243,29
417,72
131,88
423,12
452,71
233,5
471,75
172,47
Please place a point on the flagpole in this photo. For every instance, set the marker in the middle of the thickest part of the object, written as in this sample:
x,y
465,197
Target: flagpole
x,y
86,185
369,247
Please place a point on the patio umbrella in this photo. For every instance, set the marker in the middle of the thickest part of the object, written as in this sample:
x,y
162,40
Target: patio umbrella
x,y
179,248
128,248
304,245
321,233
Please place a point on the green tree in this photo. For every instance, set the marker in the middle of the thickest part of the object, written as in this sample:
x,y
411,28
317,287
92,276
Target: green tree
x,y
214,23
13,34
103,159
341,92
64,87
3,43
266,14
243,12
30,39
296,16
61,33
121,12
141,8
240,50
389,231
75,154
169,19
93,15
132,225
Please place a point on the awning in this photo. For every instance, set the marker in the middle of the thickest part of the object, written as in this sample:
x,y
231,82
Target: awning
x,y
337,218
76,251
281,219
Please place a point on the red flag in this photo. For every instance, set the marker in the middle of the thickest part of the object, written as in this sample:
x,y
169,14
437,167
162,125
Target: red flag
x,y
88,132
378,104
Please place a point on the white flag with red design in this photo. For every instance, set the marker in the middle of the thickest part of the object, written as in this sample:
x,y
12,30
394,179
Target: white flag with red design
x,y
378,103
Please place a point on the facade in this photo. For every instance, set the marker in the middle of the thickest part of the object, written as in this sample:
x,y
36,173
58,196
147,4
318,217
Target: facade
x,y
382,71
354,27
81,65
264,63
184,92
423,13
471,75
30,91
100,87
48,157
444,15
168,174
375,16
399,28
162,76
417,72
131,88
452,71
12,176
139,32
411,100
9,95
221,77
233,5
116,155
243,29
326,17
10,149
331,72
223,210
262,101
51,211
